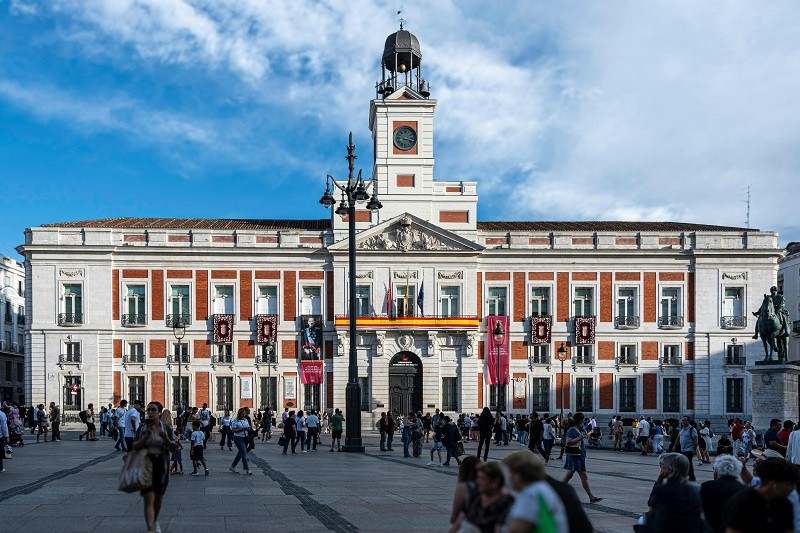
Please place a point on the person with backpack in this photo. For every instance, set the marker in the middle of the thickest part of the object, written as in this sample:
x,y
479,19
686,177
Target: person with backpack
x,y
686,443
87,417
119,422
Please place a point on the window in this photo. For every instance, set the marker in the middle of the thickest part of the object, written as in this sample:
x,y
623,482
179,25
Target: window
x,y
627,395
73,305
496,304
180,392
732,304
73,399
584,390
269,393
363,307
540,391
540,301
671,354
225,393
20,372
494,401
311,303
448,302
540,354
671,388
136,353
627,317
180,352
180,305
8,313
312,395
225,353
734,395
20,315
734,355
136,388
404,301
583,355
363,386
72,352
670,307
582,302
267,303
223,300
20,343
136,307
627,354
8,370
450,394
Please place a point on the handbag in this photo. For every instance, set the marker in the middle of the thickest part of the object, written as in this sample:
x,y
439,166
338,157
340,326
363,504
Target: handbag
x,y
460,448
572,450
282,441
137,473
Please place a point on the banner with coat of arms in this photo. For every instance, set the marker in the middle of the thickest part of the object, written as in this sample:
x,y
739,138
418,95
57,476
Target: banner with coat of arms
x,y
584,330
223,328
267,328
540,329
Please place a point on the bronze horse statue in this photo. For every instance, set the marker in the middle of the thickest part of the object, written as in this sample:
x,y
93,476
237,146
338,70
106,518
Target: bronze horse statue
x,y
772,330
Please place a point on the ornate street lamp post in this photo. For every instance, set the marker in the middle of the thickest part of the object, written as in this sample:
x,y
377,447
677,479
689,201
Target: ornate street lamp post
x,y
179,331
499,336
562,356
354,191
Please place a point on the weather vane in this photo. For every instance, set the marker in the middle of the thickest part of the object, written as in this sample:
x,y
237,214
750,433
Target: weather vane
x,y
401,20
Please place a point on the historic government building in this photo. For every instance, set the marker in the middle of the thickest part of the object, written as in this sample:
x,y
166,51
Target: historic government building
x,y
654,317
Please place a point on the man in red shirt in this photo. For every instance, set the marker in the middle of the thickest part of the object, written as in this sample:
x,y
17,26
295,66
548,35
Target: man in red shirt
x,y
783,435
736,435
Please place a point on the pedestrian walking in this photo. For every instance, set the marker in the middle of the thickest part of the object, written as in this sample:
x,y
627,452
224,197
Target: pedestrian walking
x,y
686,443
290,433
408,433
198,445
205,422
240,428
383,425
159,440
536,438
450,440
225,430
575,448
548,438
132,423
266,425
44,422
55,422
391,425
301,430
4,434
438,436
485,426
120,416
312,431
88,417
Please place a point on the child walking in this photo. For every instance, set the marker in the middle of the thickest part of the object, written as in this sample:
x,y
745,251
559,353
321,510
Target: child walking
x,y
198,439
437,444
177,461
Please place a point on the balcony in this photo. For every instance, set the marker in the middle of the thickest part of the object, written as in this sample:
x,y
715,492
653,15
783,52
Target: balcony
x,y
585,360
17,347
385,322
626,322
20,319
134,320
70,319
735,360
674,360
733,322
670,322
172,320
627,360
539,360
138,359
70,358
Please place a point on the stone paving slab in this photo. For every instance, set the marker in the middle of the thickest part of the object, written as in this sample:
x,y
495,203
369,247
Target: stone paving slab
x,y
72,486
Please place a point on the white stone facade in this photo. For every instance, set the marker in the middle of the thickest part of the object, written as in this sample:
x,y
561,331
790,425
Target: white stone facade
x,y
12,330
789,283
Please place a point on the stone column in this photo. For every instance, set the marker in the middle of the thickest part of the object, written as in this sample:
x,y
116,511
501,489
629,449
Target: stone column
x,y
774,393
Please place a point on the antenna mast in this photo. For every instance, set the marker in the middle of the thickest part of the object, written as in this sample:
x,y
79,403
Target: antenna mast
x,y
747,220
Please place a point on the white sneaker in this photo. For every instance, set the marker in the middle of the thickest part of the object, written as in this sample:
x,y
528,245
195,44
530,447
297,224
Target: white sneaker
x,y
157,528
304,451
438,464
431,463
232,469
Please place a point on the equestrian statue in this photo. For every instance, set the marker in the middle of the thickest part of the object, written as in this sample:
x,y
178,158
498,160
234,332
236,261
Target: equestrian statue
x,y
773,325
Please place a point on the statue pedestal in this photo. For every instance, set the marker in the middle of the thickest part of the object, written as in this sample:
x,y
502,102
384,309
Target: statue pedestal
x,y
775,393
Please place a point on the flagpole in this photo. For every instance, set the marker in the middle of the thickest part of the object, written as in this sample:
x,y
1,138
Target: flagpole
x,y
406,297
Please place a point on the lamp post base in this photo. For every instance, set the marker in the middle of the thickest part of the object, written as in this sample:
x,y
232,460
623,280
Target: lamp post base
x,y
352,440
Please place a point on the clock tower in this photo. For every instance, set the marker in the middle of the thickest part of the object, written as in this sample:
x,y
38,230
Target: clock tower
x,y
401,123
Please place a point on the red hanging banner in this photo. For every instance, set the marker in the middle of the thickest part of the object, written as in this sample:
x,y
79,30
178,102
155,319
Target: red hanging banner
x,y
497,349
311,372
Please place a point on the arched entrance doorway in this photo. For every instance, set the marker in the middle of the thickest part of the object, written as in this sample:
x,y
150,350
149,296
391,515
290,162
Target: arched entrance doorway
x,y
405,383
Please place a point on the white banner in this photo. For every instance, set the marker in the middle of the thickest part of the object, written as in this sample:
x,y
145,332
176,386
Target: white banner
x,y
247,387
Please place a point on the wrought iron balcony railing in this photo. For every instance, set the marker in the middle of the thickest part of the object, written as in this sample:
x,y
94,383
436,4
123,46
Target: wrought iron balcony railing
x,y
626,322
226,359
539,360
584,359
67,358
627,360
402,322
670,322
674,360
134,319
173,320
735,360
134,358
733,322
70,319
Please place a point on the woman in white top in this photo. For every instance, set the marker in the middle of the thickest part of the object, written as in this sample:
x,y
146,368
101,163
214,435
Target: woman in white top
x,y
548,438
225,429
705,445
240,428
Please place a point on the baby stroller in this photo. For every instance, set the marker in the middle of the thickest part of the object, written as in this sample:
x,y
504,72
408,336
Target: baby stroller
x,y
15,435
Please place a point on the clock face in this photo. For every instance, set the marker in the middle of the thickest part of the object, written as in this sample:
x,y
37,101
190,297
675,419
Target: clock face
x,y
405,138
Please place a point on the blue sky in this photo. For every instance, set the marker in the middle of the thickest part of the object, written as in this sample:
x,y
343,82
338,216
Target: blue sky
x,y
223,108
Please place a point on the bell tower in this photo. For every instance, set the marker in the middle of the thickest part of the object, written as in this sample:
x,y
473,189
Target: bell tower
x,y
401,122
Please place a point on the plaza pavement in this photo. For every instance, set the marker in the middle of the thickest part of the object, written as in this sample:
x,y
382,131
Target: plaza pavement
x,y
72,486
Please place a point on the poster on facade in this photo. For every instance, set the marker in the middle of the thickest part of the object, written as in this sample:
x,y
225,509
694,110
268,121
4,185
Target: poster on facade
x,y
311,372
519,392
584,330
223,328
311,338
289,391
497,347
247,387
266,329
540,329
